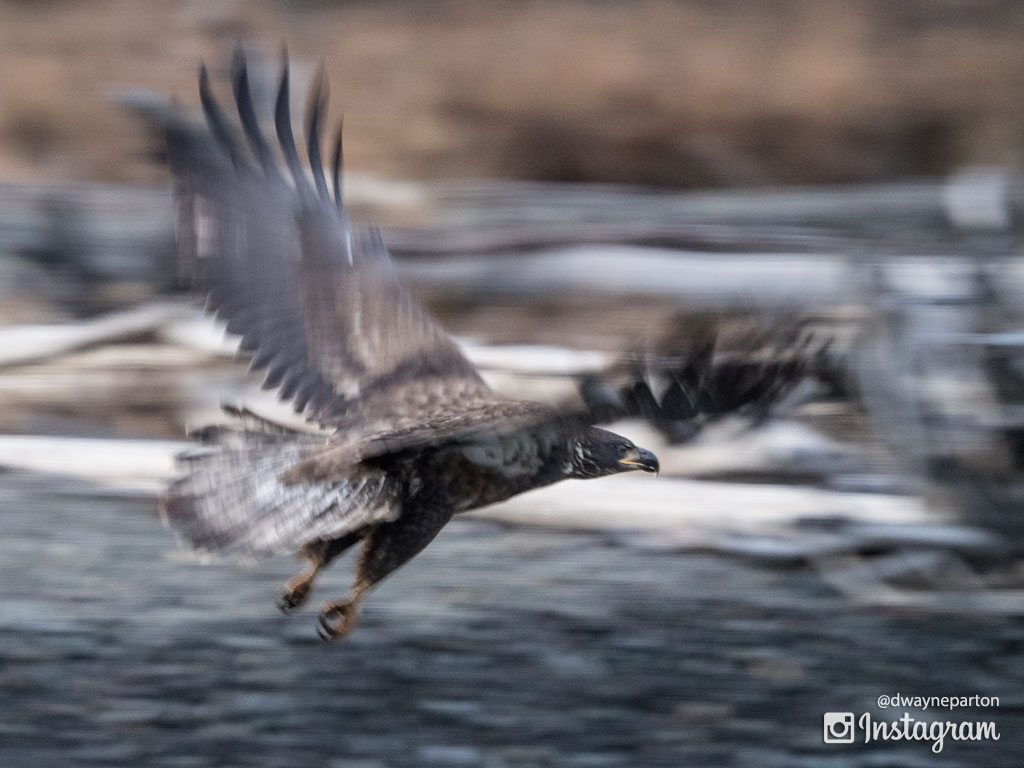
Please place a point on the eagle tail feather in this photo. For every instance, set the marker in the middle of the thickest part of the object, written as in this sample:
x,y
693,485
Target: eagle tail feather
x,y
232,500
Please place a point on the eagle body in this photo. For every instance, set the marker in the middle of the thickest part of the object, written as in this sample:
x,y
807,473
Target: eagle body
x,y
245,491
489,470
404,433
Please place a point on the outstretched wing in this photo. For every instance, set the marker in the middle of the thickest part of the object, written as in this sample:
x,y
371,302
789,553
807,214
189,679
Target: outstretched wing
x,y
316,302
320,310
698,371
703,368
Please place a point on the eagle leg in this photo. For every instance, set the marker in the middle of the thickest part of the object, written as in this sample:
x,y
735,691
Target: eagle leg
x,y
318,556
297,588
388,547
338,619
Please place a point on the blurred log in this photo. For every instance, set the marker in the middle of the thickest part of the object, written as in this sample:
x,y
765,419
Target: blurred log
x,y
765,280
117,235
28,343
142,466
944,378
99,231
138,466
914,214
764,522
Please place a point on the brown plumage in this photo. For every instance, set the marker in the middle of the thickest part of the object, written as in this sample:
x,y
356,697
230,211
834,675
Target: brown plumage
x,y
411,434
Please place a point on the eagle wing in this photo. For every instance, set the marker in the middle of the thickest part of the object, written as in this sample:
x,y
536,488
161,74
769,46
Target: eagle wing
x,y
702,368
315,300
699,370
319,309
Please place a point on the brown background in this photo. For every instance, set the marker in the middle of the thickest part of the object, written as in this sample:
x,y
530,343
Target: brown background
x,y
686,94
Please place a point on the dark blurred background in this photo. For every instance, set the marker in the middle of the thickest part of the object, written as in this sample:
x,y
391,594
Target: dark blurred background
x,y
557,180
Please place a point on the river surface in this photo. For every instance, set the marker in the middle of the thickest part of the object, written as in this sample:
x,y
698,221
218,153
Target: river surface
x,y
496,647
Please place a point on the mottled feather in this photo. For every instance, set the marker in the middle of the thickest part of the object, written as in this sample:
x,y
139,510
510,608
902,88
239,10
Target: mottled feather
x,y
231,499
316,301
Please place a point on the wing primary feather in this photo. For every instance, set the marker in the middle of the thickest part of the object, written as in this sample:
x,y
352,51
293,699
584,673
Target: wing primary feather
x,y
307,388
337,165
273,378
336,336
218,122
284,362
277,371
290,385
283,123
238,322
247,112
250,341
316,107
262,358
227,308
322,399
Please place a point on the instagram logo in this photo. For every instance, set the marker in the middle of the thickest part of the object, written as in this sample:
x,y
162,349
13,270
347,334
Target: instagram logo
x,y
838,728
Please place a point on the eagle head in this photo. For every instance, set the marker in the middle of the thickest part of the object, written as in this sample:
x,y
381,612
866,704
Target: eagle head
x,y
598,452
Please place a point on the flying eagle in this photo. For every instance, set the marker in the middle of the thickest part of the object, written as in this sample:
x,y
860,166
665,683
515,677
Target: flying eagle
x,y
409,434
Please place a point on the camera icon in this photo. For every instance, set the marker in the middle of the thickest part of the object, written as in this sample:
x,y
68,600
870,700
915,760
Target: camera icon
x,y
838,728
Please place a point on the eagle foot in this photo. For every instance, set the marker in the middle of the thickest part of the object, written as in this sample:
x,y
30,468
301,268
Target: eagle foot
x,y
337,620
294,595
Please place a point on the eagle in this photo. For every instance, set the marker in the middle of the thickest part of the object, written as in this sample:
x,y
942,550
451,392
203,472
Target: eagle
x,y
404,432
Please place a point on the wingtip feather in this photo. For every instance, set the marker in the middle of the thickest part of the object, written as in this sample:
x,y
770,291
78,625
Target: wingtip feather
x,y
217,121
316,108
247,110
283,124
337,164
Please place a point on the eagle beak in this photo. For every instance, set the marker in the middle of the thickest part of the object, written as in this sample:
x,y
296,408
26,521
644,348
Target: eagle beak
x,y
644,460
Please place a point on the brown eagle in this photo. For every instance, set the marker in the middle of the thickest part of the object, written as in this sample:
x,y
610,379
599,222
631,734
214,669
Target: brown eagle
x,y
409,432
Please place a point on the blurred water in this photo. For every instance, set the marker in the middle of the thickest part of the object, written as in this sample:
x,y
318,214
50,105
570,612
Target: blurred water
x,y
494,648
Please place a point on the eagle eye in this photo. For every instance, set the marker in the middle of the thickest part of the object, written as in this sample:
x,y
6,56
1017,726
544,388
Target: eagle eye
x,y
623,449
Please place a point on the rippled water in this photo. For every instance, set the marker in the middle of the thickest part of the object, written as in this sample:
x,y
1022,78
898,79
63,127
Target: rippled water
x,y
493,648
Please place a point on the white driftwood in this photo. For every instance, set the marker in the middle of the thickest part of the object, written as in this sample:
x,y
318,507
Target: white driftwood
x,y
667,504
757,521
28,343
199,332
688,507
126,465
158,378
